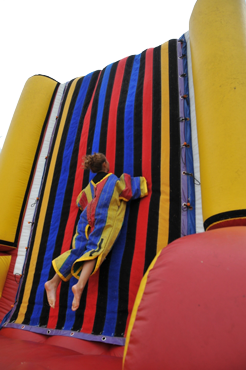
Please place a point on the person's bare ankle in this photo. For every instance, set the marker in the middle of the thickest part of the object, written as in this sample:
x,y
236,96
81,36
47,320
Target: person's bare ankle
x,y
77,290
51,293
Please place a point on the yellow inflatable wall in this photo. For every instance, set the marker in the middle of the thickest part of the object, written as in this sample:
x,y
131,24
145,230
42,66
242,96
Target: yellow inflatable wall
x,y
218,48
4,268
18,154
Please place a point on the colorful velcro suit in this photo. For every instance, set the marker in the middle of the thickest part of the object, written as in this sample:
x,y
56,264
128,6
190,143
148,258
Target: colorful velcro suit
x,y
104,206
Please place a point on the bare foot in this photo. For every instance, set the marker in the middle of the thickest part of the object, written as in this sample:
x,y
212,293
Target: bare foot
x,y
77,291
51,288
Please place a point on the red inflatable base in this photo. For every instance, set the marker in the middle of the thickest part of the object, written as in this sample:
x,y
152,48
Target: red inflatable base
x,y
10,287
193,311
21,350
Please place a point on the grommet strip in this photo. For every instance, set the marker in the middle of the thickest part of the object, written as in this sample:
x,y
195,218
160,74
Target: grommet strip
x,y
187,206
187,173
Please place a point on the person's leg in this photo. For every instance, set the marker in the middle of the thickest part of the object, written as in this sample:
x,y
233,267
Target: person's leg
x,y
78,288
51,287
64,262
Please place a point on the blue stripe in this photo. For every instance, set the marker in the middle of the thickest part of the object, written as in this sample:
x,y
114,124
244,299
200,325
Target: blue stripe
x,y
191,214
57,210
114,277
119,246
100,109
129,119
70,315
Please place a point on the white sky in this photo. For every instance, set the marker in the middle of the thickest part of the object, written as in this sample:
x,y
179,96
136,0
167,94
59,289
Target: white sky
x,y
68,39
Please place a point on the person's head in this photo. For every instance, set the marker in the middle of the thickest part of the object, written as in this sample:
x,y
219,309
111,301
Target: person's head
x,y
96,162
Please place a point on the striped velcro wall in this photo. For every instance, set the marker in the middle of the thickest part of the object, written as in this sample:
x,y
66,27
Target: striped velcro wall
x,y
130,112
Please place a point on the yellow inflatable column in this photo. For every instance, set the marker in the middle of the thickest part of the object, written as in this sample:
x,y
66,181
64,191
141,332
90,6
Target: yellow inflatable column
x,y
18,155
4,268
218,48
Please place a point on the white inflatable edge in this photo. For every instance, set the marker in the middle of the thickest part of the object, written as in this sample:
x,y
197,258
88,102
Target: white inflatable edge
x,y
31,205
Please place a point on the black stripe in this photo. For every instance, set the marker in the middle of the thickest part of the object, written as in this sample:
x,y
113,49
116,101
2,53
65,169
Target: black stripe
x,y
5,243
92,125
63,298
94,115
104,127
152,230
104,268
50,78
138,118
79,315
102,297
125,271
33,234
126,265
175,188
103,272
90,91
119,157
230,215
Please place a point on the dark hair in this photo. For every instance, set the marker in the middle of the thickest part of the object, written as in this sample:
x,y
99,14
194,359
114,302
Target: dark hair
x,y
94,162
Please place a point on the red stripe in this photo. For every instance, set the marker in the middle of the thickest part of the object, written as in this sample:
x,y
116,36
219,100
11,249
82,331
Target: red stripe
x,y
92,292
143,214
53,315
91,304
76,190
112,120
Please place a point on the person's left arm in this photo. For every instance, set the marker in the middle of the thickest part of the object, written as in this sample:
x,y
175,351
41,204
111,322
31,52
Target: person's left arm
x,y
132,187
